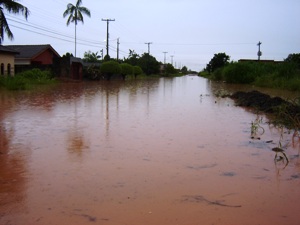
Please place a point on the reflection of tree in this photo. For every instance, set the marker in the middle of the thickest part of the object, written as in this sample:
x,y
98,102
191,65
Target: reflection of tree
x,y
12,169
76,138
76,142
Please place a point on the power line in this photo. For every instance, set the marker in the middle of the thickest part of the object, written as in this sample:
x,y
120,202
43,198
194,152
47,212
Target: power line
x,y
41,28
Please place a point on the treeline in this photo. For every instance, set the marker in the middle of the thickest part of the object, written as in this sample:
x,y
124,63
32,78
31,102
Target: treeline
x,y
284,75
133,65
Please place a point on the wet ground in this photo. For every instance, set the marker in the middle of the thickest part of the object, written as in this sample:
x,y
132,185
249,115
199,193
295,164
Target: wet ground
x,y
162,151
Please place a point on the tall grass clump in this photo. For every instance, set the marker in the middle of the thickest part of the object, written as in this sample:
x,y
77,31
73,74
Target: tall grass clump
x,y
239,72
27,79
284,75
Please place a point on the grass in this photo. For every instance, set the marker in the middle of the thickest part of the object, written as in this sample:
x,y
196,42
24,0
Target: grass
x,y
284,75
27,80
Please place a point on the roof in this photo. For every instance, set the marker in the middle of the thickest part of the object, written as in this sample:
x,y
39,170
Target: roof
x,y
31,51
8,50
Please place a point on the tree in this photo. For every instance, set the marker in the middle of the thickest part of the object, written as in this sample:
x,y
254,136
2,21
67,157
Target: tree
x,y
110,68
137,71
219,60
12,7
126,69
133,58
184,69
169,69
149,64
75,14
293,58
92,57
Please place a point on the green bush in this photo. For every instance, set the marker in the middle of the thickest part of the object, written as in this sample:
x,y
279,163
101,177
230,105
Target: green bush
x,y
137,70
126,69
110,67
26,79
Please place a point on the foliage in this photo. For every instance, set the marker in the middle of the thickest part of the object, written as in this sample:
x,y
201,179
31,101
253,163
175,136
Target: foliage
x,y
137,70
239,73
12,7
294,58
93,72
92,57
126,69
27,79
219,60
133,58
149,64
169,69
68,55
110,67
106,58
75,14
184,69
285,75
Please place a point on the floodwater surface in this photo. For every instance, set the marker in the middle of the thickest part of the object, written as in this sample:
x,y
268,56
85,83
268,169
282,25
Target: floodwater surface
x,y
146,152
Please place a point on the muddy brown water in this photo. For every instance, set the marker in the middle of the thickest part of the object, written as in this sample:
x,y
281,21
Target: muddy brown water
x,y
160,151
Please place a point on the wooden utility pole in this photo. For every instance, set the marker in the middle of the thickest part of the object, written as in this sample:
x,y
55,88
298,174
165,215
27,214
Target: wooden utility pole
x,y
118,43
148,43
107,34
165,57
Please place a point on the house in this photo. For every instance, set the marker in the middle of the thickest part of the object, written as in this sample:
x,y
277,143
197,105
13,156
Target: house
x,y
7,60
45,57
33,56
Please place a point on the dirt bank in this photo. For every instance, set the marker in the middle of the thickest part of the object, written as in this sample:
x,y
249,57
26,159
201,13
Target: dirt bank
x,y
265,103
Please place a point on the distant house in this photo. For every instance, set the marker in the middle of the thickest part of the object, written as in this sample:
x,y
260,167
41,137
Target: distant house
x,y
33,56
7,61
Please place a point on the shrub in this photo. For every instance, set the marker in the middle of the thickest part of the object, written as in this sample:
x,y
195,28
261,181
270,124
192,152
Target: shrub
x,y
137,70
110,67
27,79
126,69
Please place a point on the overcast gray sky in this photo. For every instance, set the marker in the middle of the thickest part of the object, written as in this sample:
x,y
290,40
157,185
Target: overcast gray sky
x,y
190,30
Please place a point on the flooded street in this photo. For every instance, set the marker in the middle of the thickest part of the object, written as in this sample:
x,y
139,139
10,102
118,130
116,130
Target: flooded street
x,y
148,152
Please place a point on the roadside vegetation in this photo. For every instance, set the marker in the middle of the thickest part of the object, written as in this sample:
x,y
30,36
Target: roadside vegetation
x,y
27,80
283,75
134,66
271,74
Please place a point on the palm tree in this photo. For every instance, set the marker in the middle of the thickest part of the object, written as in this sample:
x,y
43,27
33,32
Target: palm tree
x,y
12,7
75,14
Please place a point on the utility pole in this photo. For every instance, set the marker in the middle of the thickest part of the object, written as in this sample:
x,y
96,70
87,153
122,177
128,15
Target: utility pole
x,y
165,57
107,34
259,53
148,43
101,54
118,43
172,59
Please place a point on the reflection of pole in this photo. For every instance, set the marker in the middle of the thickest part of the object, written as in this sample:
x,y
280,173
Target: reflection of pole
x,y
259,53
107,34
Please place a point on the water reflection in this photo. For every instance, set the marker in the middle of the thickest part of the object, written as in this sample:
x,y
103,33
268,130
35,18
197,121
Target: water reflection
x,y
142,152
13,163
